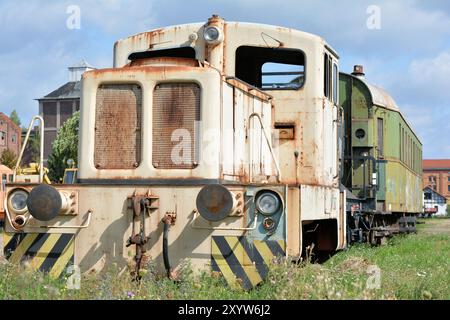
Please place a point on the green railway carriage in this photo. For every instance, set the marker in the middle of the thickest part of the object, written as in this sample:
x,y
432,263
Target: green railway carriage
x,y
382,162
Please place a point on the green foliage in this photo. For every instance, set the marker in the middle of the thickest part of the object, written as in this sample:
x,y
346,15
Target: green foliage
x,y
64,147
448,209
15,117
8,158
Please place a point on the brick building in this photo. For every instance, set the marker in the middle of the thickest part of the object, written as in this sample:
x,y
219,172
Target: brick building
x,y
436,175
10,135
59,105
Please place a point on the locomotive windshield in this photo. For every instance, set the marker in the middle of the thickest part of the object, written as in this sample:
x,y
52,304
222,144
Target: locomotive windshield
x,y
271,68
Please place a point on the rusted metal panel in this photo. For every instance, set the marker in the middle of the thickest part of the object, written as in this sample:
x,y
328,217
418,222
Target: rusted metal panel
x,y
176,109
118,126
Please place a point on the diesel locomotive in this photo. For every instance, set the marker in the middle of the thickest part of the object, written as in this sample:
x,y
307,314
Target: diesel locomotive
x,y
226,144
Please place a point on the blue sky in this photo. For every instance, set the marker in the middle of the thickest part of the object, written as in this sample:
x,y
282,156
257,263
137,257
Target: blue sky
x,y
409,55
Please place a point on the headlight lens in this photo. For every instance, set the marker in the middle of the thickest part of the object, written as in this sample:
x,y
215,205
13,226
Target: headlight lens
x,y
18,200
268,203
211,34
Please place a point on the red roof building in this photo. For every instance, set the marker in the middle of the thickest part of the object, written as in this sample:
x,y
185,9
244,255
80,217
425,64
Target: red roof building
x,y
10,135
436,175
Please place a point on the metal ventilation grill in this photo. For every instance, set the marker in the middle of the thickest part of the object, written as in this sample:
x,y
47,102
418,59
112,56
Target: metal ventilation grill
x,y
118,126
175,106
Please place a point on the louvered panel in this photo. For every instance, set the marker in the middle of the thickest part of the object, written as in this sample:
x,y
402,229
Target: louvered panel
x,y
117,126
176,110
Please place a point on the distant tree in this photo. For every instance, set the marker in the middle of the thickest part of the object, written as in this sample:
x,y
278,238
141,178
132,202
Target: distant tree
x,y
15,117
32,149
448,209
8,158
64,147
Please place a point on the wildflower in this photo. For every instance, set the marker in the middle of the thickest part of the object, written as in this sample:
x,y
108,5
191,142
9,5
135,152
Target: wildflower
x,y
130,295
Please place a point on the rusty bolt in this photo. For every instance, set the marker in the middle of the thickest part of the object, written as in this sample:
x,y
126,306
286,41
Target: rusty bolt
x,y
97,166
193,36
72,195
239,211
239,203
238,196
72,211
136,164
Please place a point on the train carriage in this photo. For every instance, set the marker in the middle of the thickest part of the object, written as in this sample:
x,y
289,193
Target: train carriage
x,y
383,162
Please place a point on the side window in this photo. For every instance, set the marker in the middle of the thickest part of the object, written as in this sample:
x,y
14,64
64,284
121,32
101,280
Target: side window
x,y
271,68
329,78
11,178
326,76
335,84
14,138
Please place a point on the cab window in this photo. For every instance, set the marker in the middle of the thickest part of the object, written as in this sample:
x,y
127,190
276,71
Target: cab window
x,y
271,68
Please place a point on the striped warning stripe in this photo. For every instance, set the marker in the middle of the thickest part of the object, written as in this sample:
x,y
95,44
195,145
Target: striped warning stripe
x,y
47,252
244,264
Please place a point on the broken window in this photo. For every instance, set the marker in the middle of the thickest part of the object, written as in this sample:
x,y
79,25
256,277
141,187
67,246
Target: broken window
x,y
271,68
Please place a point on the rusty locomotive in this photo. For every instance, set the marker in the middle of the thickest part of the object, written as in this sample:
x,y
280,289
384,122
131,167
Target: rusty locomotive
x,y
223,143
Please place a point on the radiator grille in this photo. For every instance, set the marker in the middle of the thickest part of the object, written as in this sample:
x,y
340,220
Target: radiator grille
x,y
118,126
176,106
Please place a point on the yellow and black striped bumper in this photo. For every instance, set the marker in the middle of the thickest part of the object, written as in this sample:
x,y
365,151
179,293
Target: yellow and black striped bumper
x,y
243,263
47,252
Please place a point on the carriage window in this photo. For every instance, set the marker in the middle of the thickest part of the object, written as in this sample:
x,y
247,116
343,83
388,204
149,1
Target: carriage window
x,y
271,68
380,137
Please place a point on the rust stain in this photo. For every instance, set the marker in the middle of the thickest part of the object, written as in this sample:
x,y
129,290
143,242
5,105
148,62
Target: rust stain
x,y
249,89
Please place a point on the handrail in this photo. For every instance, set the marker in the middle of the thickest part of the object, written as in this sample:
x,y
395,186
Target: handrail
x,y
41,153
268,144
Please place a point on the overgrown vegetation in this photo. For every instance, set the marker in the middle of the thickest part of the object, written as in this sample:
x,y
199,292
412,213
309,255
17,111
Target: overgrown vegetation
x,y
8,158
64,147
415,266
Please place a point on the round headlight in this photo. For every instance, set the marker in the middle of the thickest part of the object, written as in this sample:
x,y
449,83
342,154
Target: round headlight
x,y
212,35
268,203
214,202
18,200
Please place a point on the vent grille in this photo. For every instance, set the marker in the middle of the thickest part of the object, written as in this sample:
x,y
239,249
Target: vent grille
x,y
176,110
118,126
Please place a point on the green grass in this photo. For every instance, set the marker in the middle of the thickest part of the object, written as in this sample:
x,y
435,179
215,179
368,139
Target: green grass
x,y
414,266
